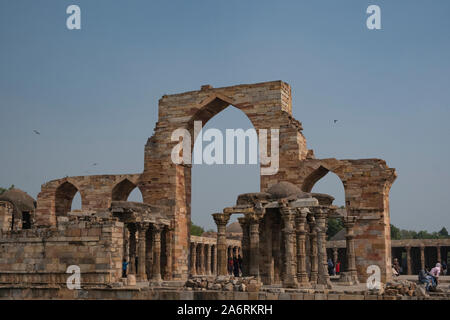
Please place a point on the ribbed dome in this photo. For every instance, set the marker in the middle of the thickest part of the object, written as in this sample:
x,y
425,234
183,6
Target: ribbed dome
x,y
21,200
286,189
234,227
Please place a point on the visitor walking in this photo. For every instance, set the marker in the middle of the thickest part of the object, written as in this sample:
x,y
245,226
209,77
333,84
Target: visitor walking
x,y
338,267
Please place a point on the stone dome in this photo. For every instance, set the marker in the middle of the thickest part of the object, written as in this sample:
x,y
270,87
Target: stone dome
x,y
21,200
286,189
234,227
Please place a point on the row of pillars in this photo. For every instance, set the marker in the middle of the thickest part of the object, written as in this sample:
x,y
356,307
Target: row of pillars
x,y
294,272
422,257
143,240
203,259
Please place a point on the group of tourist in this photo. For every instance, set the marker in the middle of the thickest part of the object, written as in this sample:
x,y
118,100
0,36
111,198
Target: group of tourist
x,y
431,278
235,265
334,269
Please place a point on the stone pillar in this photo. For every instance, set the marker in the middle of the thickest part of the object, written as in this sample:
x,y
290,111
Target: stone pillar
x,y
289,274
221,220
132,258
214,259
207,259
349,223
201,262
422,257
300,220
408,260
254,246
313,249
321,225
149,254
193,259
168,272
142,229
156,276
438,248
245,245
335,256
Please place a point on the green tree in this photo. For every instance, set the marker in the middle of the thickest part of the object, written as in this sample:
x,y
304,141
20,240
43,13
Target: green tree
x,y
395,233
196,230
443,233
334,226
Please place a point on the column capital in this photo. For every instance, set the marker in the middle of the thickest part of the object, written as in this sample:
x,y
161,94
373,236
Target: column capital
x,y
157,227
221,219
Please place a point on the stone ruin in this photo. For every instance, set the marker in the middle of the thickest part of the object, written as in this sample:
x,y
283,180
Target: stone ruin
x,y
37,246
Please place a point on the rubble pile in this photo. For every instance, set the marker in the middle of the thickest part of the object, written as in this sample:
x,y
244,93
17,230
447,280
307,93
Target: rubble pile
x,y
223,283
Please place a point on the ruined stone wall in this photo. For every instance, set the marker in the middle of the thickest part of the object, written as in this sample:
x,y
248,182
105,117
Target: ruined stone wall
x,y
367,183
6,216
267,105
42,255
96,192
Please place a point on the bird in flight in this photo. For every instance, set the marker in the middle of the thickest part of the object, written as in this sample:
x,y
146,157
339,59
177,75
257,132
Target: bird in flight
x,y
95,164
37,132
335,121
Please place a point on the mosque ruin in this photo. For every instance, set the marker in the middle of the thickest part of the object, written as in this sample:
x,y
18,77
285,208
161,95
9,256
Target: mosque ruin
x,y
283,225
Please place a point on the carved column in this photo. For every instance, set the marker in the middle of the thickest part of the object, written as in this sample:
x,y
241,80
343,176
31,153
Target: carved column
x,y
313,248
168,268
422,257
254,246
156,276
300,220
408,260
207,259
289,279
132,258
321,226
142,232
349,223
335,256
245,244
438,248
214,259
193,259
201,262
221,220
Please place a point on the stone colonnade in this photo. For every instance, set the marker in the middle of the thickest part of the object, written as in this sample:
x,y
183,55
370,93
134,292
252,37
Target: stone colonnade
x,y
284,245
147,248
204,258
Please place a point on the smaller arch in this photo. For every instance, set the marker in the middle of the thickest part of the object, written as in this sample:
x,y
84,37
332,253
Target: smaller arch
x,y
316,175
122,190
63,198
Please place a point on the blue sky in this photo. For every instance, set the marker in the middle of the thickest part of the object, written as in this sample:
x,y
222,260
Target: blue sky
x,y
93,93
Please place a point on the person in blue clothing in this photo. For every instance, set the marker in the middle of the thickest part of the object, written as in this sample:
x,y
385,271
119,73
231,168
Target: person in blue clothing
x,y
124,268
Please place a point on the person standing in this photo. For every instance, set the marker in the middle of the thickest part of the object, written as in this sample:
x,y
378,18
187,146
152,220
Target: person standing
x,y
124,268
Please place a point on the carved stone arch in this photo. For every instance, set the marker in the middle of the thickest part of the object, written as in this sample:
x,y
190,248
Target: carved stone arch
x,y
122,190
64,195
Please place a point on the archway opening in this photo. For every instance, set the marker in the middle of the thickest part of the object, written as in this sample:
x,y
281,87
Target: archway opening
x,y
226,168
76,202
63,198
126,191
324,181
